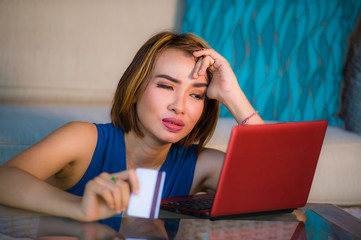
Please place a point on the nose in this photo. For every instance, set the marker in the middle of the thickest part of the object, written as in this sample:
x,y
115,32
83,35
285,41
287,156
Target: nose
x,y
178,104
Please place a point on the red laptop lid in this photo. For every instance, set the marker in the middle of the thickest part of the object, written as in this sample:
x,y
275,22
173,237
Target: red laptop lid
x,y
268,167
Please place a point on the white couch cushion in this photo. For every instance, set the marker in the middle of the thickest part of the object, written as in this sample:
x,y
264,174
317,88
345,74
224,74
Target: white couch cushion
x,y
74,52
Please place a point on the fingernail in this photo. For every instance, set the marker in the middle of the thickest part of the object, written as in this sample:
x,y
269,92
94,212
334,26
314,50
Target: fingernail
x,y
195,75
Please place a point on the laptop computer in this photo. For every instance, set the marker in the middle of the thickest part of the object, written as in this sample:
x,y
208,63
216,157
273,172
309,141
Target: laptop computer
x,y
267,168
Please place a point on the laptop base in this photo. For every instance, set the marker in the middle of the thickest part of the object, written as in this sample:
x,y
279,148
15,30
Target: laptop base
x,y
248,216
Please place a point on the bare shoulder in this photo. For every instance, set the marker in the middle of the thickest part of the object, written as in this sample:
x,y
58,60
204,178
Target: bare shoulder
x,y
210,160
72,136
208,169
78,130
72,144
211,154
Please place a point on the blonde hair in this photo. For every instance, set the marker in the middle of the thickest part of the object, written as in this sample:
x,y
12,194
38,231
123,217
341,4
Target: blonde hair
x,y
135,80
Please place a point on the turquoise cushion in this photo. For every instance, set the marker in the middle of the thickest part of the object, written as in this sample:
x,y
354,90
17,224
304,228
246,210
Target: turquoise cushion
x,y
288,55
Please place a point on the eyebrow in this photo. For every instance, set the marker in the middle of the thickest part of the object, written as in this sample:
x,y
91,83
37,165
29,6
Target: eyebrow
x,y
172,79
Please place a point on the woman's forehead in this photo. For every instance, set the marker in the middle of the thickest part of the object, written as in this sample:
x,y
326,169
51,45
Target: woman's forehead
x,y
176,54
173,61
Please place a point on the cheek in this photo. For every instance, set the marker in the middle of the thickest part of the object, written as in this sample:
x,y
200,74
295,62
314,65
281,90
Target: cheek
x,y
196,111
155,101
149,103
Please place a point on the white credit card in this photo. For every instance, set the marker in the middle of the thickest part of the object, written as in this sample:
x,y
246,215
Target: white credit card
x,y
147,203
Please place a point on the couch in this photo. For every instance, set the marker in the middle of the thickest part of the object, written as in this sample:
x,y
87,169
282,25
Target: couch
x,y
60,61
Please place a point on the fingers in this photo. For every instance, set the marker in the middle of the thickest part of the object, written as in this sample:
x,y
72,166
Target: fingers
x,y
123,195
131,177
201,66
208,58
114,189
207,52
115,193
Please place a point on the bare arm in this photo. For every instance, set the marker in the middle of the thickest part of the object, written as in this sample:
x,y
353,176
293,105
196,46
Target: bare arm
x,y
207,172
22,179
224,85
225,88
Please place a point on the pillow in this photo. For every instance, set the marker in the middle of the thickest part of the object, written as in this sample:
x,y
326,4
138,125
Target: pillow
x,y
351,89
288,55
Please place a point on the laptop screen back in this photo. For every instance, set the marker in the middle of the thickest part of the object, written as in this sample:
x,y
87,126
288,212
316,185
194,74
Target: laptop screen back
x,y
268,167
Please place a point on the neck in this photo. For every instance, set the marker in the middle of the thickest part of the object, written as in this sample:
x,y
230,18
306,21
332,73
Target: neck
x,y
144,153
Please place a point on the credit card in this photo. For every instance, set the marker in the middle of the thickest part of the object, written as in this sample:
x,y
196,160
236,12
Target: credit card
x,y
147,203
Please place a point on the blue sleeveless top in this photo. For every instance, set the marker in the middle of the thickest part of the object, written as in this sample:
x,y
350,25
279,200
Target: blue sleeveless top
x,y
110,156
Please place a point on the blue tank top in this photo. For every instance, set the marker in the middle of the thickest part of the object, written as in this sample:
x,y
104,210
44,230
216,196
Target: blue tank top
x,y
110,156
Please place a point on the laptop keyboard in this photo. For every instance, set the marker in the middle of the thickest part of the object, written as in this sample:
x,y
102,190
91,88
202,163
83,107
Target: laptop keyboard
x,y
194,204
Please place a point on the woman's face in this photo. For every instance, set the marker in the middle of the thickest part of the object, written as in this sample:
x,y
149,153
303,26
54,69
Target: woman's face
x,y
173,101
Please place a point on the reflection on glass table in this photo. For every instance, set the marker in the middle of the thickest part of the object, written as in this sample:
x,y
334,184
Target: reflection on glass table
x,y
315,221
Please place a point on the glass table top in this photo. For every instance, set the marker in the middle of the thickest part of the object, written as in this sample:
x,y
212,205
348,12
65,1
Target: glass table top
x,y
314,221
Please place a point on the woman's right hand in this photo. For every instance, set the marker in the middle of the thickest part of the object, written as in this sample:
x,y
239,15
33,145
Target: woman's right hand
x,y
103,197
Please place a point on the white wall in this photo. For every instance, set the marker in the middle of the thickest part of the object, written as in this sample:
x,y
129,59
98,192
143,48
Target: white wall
x,y
74,52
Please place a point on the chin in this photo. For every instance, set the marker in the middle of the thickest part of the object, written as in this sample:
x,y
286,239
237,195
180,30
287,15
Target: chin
x,y
173,138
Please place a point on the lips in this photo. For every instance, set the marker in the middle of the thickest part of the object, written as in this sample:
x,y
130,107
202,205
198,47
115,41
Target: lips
x,y
173,124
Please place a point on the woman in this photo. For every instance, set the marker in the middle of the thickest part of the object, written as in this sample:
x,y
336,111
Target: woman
x,y
164,110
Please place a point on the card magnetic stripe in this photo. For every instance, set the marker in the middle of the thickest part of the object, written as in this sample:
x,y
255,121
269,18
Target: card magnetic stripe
x,y
155,196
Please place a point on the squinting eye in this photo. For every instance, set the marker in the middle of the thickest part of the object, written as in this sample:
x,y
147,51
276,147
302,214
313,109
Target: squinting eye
x,y
165,86
197,96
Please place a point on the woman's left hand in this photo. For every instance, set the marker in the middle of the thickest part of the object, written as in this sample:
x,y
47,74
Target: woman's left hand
x,y
224,81
224,86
